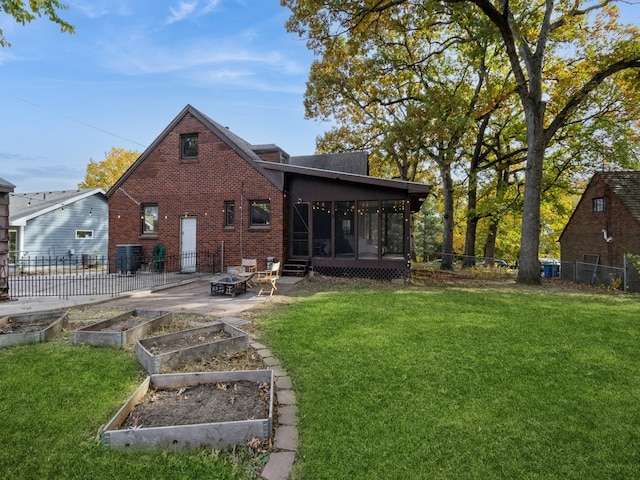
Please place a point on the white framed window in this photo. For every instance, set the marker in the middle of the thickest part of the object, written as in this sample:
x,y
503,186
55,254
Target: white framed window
x,y
84,234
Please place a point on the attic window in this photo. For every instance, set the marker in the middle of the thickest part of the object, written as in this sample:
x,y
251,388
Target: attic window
x,y
189,146
597,204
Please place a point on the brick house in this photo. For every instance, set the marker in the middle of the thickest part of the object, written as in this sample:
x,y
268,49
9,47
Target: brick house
x,y
605,224
200,187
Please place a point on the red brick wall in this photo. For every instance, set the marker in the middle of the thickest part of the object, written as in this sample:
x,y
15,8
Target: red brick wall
x,y
583,234
197,189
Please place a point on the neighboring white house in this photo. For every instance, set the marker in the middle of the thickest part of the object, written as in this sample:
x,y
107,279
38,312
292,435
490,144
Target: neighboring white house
x,y
58,224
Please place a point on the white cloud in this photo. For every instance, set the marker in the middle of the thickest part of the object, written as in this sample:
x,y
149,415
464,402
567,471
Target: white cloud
x,y
193,8
182,11
99,8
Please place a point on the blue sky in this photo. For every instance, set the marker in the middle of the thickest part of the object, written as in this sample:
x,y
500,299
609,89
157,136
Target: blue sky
x,y
133,65
128,71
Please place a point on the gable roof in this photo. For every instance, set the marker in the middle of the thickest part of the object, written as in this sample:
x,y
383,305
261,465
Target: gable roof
x,y
626,186
275,172
5,186
233,141
25,206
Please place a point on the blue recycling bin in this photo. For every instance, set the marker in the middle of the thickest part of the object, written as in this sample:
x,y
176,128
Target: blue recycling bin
x,y
551,271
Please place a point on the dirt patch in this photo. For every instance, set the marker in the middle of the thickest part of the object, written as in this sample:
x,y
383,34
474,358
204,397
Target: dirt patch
x,y
207,403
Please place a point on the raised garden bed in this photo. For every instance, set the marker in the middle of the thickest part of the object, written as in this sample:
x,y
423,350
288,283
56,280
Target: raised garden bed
x,y
31,327
190,410
124,329
164,353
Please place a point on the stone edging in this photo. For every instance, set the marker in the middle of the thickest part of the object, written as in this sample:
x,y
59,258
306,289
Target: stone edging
x,y
281,461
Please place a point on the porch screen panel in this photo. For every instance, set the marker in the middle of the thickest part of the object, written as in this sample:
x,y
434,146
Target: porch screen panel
x,y
393,228
368,229
345,229
321,230
300,234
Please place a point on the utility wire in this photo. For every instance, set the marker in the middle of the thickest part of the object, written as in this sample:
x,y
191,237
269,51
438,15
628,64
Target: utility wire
x,y
78,121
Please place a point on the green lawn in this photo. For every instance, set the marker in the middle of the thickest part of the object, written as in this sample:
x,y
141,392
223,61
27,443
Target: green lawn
x,y
53,399
392,382
461,383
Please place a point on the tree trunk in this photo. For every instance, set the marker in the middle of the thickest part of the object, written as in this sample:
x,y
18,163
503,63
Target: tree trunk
x,y
529,265
447,236
490,244
469,259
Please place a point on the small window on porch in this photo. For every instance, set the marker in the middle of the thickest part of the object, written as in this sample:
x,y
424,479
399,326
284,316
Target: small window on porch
x,y
393,228
368,229
597,204
321,226
345,229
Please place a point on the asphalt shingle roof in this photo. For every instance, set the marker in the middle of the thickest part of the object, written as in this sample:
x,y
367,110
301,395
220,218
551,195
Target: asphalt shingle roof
x,y
626,186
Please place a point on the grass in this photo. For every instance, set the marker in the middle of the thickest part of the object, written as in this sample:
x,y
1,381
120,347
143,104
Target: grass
x,y
461,383
53,399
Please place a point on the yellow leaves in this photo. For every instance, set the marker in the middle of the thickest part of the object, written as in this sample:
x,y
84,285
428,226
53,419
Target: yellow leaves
x,y
104,174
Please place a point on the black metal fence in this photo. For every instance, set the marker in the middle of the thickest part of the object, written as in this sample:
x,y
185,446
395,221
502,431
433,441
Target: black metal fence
x,y
101,275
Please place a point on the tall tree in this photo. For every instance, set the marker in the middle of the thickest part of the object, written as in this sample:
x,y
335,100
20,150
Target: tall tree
x,y
588,50
25,12
107,172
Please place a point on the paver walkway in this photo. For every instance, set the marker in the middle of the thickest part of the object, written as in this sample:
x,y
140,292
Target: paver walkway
x,y
194,297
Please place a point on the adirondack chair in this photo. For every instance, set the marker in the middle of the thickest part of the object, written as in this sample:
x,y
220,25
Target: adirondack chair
x,y
268,278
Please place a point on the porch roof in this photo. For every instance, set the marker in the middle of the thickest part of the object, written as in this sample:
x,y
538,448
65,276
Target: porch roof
x,y
417,192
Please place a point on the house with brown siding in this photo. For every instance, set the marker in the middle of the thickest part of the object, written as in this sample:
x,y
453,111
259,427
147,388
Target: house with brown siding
x,y
200,187
6,189
605,224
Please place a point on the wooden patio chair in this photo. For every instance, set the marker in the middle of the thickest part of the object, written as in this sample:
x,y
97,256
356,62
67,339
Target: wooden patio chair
x,y
249,270
268,279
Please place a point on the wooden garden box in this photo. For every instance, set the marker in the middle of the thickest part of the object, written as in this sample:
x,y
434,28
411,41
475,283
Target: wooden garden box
x,y
135,325
31,327
164,353
215,435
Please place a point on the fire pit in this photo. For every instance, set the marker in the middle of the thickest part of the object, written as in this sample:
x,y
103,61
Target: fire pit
x,y
228,285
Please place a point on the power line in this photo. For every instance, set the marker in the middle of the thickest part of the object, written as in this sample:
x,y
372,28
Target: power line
x,y
78,121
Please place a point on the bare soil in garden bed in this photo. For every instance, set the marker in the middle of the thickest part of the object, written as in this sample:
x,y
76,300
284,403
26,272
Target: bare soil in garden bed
x,y
129,322
188,340
207,403
25,327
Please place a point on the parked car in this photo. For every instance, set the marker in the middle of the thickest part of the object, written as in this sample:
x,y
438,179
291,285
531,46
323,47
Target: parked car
x,y
497,262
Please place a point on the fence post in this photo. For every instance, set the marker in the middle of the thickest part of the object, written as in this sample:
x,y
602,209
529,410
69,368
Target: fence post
x,y
624,272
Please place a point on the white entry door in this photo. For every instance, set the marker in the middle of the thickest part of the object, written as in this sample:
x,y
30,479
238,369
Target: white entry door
x,y
188,244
